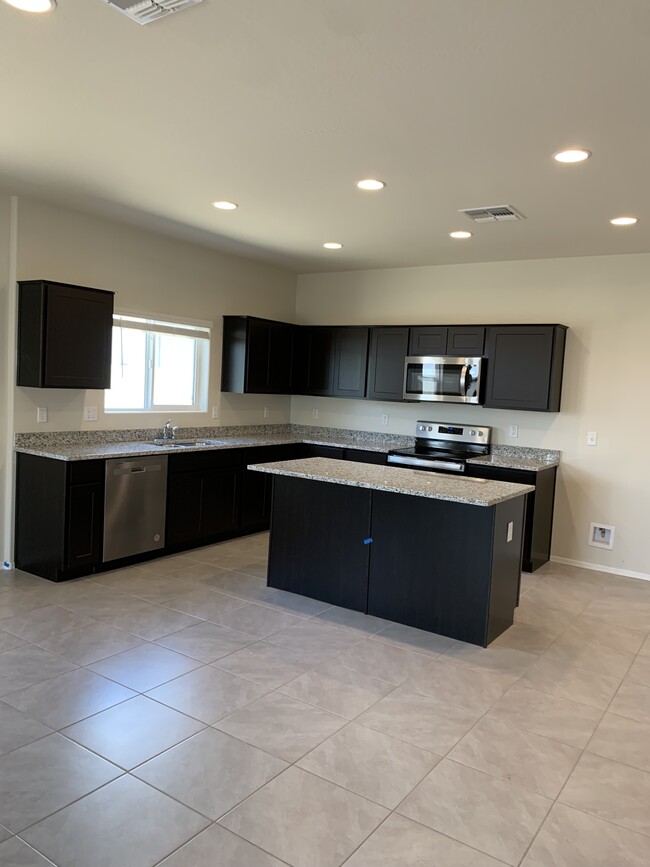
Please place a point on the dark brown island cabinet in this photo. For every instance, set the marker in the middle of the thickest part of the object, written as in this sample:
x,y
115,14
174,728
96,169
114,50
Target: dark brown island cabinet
x,y
64,335
440,566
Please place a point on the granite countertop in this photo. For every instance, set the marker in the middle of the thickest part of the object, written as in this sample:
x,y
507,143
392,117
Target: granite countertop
x,y
397,480
513,462
139,448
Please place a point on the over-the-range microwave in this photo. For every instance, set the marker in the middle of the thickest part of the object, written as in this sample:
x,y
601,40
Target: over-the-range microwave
x,y
444,378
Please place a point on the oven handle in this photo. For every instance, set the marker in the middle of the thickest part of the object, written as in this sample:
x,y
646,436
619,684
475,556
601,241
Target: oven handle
x,y
402,460
463,380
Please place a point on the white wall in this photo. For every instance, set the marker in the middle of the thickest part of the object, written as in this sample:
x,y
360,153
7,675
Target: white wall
x,y
605,302
6,439
150,273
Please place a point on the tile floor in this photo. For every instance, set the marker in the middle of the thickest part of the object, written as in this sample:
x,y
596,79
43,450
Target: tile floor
x,y
181,713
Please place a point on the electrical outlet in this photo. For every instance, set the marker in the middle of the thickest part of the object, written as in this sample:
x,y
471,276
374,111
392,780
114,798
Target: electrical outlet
x,y
41,414
90,413
314,413
267,412
215,412
384,418
514,430
592,438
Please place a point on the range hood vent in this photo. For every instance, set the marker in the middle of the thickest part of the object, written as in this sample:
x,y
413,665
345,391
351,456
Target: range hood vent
x,y
493,214
146,11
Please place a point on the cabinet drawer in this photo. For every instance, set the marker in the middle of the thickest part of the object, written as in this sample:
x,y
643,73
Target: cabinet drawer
x,y
86,472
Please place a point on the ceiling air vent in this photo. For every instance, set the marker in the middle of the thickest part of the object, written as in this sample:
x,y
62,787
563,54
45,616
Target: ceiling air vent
x,y
493,214
146,11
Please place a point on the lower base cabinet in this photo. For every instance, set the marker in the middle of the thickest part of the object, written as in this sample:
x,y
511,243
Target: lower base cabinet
x,y
440,566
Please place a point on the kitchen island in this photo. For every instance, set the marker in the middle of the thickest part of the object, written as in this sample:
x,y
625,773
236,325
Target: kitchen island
x,y
433,551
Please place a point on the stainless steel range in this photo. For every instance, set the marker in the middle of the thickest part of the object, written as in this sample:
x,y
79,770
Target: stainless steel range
x,y
443,447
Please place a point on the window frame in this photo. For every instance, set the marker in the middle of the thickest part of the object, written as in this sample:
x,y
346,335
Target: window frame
x,y
154,325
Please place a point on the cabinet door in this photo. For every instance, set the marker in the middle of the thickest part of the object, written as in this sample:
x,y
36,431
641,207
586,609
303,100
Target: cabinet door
x,y
465,340
268,362
220,501
525,367
280,358
84,525
428,340
184,506
388,349
78,338
350,362
313,367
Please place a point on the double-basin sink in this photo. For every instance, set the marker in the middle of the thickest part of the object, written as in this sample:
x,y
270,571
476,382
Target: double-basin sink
x,y
186,443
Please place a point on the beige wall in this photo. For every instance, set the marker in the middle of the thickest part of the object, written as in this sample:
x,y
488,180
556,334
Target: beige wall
x,y
150,273
6,440
605,301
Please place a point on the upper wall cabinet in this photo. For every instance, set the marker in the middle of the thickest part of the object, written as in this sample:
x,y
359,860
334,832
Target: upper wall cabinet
x,y
524,368
388,349
64,335
463,340
331,362
257,355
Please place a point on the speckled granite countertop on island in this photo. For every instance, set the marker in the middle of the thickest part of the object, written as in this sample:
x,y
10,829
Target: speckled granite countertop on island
x,y
396,480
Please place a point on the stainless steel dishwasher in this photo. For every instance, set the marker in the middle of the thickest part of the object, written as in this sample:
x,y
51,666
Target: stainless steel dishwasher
x,y
135,506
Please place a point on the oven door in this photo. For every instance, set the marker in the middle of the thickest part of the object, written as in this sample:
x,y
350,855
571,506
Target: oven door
x,y
446,379
419,463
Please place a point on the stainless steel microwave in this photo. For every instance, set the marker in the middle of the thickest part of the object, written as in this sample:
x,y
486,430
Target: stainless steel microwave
x,y
444,378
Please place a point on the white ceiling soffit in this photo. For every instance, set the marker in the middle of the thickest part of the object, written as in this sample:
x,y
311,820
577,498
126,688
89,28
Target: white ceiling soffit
x,y
148,11
282,106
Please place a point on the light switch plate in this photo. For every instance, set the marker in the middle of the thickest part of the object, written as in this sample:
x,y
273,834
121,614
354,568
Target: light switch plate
x,y
384,418
592,438
314,413
41,414
215,412
513,430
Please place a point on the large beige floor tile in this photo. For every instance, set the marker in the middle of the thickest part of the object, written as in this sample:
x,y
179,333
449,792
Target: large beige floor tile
x,y
640,670
149,621
293,603
211,772
133,732
591,631
218,846
44,622
145,667
305,820
256,620
570,838
9,641
417,640
206,642
203,603
91,643
26,665
282,726
610,791
44,776
574,650
622,740
371,764
365,624
428,723
246,587
264,664
13,603
632,700
316,642
500,660
207,694
16,853
461,685
66,699
124,823
338,690
526,636
554,677
517,756
568,722
496,817
18,729
399,842
395,664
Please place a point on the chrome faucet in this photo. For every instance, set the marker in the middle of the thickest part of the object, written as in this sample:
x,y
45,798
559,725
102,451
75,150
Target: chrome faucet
x,y
168,432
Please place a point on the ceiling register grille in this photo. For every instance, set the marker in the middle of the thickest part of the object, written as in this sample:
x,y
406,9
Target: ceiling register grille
x,y
493,214
147,11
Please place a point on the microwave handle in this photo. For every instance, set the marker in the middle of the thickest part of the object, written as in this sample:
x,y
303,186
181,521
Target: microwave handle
x,y
463,380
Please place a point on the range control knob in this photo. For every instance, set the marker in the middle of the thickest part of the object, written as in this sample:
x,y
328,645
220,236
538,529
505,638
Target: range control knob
x,y
472,433
429,428
480,433
421,427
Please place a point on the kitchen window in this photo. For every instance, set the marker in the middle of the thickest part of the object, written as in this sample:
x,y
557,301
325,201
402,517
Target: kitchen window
x,y
158,365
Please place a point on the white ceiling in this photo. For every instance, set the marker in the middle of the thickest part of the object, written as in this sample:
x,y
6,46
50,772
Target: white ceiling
x,y
281,105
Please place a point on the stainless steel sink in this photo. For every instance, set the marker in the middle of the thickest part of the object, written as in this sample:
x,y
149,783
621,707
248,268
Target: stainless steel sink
x,y
184,444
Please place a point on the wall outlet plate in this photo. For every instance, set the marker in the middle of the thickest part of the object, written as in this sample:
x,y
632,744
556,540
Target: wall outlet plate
x,y
267,412
513,430
592,438
384,418
41,414
314,413
90,413
215,412
601,536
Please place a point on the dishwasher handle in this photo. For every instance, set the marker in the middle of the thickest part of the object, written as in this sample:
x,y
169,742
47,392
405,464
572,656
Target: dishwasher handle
x,y
127,469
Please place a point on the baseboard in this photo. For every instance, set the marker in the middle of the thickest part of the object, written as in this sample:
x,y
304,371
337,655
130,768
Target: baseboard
x,y
583,564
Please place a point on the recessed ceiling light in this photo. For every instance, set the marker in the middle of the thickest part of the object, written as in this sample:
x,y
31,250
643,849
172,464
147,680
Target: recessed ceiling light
x,y
332,245
624,221
460,234
370,184
225,206
572,155
32,5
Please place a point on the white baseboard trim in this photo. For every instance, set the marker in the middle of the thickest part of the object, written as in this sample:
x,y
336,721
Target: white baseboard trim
x,y
583,564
